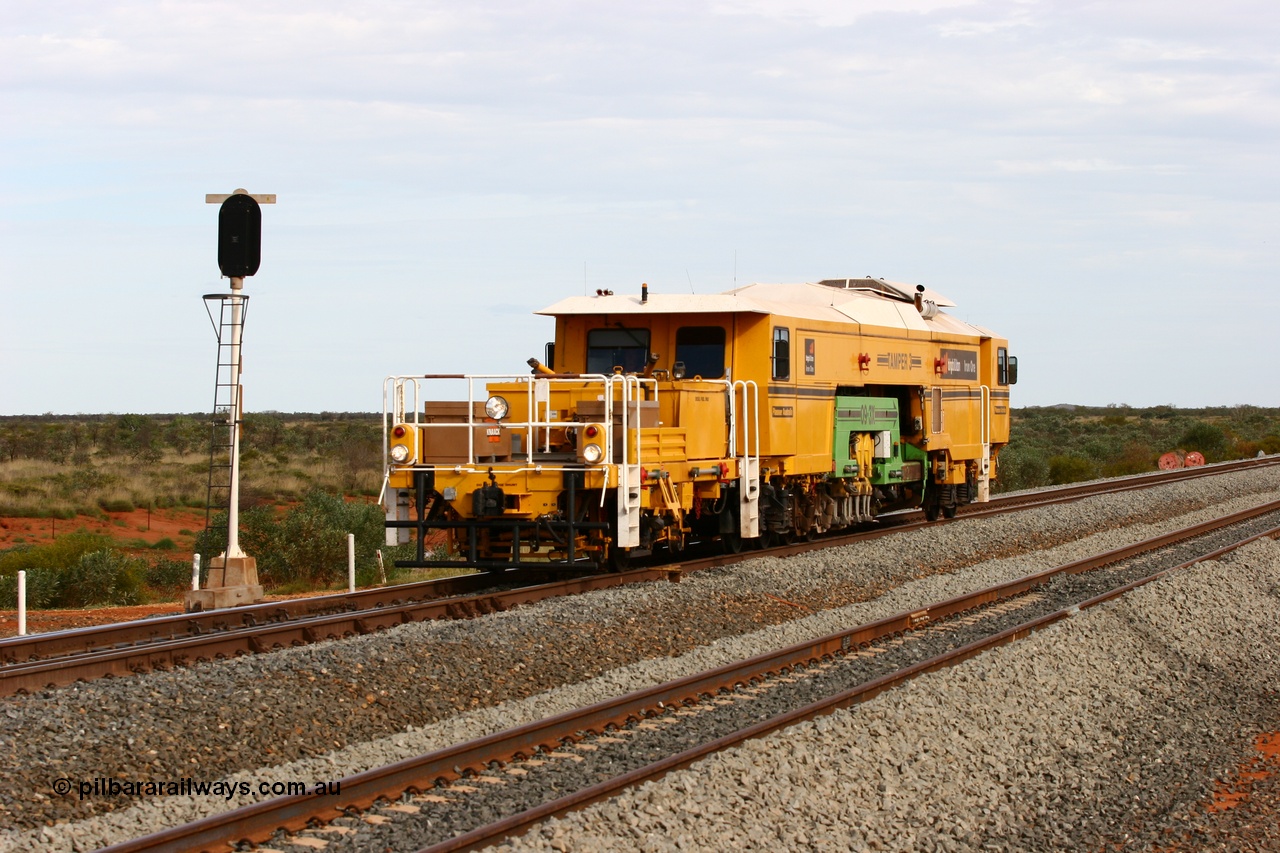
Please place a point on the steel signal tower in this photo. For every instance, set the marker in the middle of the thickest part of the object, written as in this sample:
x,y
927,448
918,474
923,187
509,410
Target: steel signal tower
x,y
233,576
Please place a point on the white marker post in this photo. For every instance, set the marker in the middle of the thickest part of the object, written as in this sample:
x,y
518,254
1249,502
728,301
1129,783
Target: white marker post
x,y
351,562
22,603
195,573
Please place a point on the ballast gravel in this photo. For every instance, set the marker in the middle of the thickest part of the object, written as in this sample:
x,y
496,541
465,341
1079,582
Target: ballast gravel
x,y
325,711
1103,732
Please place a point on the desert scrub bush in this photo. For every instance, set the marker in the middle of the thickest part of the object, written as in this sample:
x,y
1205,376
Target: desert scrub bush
x,y
408,551
1070,469
306,545
1021,468
77,570
42,589
1206,438
168,576
1136,458
20,510
82,480
58,555
314,537
102,578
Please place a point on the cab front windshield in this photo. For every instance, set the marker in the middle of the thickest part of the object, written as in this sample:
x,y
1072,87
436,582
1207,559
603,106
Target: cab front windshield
x,y
611,348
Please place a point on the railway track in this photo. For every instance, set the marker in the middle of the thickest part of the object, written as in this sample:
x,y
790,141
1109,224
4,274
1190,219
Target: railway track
x,y
56,659
433,801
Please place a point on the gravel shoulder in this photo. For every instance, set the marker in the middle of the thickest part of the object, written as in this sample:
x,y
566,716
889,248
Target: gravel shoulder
x,y
1104,732
325,711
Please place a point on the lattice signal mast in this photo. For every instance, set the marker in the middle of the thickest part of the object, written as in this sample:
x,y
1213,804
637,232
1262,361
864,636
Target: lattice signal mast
x,y
233,576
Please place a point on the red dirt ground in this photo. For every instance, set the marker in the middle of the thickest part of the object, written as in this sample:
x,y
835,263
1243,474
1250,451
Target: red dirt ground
x,y
148,525
40,621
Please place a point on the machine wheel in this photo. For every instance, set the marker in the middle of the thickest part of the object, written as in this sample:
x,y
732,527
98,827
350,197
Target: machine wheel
x,y
949,511
619,559
731,542
932,512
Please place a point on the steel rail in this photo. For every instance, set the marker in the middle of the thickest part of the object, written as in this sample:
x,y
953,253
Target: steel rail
x,y
258,821
1141,481
520,823
79,640
59,658
255,639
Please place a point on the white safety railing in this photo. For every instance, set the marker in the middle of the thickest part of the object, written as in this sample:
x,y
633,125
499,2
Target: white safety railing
x,y
404,399
984,473
749,457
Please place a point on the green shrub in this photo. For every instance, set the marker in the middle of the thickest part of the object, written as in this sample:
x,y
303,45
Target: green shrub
x,y
18,510
1137,458
168,576
42,589
117,505
102,578
165,544
1206,438
1020,468
83,479
62,553
72,572
1070,469
307,545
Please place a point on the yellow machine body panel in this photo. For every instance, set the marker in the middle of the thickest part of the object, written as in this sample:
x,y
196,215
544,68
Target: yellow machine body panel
x,y
663,418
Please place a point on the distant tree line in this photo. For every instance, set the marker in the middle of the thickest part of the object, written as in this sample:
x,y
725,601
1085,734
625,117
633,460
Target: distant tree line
x,y
300,469
1064,444
78,439
1049,445
70,465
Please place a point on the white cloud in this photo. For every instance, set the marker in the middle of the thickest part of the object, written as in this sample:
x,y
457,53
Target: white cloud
x,y
424,151
832,13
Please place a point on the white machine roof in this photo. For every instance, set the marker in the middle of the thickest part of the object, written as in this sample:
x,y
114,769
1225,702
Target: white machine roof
x,y
873,302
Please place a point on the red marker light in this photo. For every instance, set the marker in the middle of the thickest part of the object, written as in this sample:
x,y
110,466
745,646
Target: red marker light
x,y
592,432
398,432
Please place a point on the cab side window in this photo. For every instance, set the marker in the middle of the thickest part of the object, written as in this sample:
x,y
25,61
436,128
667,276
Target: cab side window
x,y
701,350
781,353
1006,367
610,348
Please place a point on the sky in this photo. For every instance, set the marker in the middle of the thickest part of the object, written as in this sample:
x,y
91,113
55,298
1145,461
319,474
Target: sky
x,y
1097,182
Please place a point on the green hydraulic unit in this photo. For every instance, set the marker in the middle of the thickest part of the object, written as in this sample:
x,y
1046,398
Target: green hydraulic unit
x,y
878,417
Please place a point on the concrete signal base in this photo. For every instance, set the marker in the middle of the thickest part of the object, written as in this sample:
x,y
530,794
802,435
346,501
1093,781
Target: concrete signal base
x,y
232,581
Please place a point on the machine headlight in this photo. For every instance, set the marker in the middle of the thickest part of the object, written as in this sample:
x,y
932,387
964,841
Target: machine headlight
x,y
592,453
496,408
399,453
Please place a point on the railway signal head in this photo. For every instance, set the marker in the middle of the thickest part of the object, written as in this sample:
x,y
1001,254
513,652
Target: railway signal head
x,y
239,236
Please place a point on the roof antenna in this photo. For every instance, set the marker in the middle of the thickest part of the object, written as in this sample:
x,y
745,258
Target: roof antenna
x,y
584,278
735,267
686,275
